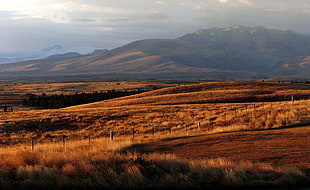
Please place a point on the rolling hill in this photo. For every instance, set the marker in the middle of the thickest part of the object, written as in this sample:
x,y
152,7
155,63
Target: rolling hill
x,y
191,136
231,53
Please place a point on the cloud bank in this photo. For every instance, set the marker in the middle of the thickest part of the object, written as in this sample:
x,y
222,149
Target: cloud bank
x,y
31,24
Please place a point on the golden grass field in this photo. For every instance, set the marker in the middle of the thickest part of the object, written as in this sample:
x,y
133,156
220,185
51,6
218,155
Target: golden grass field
x,y
208,135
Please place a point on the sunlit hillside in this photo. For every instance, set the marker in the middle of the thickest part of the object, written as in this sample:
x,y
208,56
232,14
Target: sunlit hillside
x,y
211,129
216,106
213,92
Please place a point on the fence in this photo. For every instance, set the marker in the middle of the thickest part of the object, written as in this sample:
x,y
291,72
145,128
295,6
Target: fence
x,y
251,114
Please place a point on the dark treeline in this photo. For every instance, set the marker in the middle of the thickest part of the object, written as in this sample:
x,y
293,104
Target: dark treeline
x,y
61,101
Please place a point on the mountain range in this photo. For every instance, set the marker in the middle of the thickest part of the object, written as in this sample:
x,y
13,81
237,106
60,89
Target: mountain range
x,y
24,55
230,53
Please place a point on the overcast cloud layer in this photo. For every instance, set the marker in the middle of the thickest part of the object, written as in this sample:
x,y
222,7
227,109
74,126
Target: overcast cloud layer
x,y
34,24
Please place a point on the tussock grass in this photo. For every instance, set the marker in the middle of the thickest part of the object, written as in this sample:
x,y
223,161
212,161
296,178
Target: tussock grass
x,y
101,166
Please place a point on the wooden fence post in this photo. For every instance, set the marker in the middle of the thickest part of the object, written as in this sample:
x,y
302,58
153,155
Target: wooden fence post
x,y
111,135
32,144
64,143
133,133
198,125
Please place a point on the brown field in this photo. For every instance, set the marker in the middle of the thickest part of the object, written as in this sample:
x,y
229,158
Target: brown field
x,y
244,126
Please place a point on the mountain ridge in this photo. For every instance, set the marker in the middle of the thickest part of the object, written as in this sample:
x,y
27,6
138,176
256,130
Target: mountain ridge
x,y
230,53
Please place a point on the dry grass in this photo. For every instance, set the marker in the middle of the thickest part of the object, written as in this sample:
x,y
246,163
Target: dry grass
x,y
168,113
178,119
213,92
285,147
123,114
98,165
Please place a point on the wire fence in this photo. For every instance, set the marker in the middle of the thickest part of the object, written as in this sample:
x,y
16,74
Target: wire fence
x,y
251,113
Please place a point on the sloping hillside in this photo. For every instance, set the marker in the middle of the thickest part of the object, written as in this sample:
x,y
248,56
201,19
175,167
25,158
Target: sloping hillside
x,y
213,92
215,54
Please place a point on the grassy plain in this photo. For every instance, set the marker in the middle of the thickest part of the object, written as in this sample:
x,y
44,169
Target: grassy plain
x,y
208,135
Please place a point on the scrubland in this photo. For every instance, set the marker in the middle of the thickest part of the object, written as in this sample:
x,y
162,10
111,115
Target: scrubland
x,y
71,147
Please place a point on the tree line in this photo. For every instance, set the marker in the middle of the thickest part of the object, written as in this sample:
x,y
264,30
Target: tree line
x,y
61,101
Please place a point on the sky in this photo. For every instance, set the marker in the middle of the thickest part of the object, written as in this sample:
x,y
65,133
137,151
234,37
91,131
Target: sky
x,y
107,24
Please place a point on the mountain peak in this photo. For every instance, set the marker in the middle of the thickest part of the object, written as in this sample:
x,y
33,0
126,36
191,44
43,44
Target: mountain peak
x,y
226,29
231,52
65,55
243,28
200,31
53,48
237,32
237,27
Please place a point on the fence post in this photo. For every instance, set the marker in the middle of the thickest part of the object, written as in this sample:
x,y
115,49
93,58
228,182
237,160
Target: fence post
x,y
64,144
133,132
111,135
32,144
198,125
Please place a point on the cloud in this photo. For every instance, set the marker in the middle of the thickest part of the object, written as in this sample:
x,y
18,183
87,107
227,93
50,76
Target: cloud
x,y
59,11
201,8
114,22
161,2
223,1
247,2
306,11
155,15
275,10
35,9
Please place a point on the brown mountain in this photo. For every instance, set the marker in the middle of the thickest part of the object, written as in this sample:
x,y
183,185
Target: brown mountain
x,y
214,54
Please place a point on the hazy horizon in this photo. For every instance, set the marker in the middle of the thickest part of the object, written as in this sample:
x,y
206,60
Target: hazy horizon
x,y
96,24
